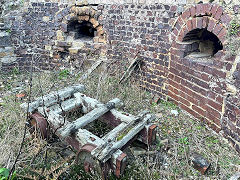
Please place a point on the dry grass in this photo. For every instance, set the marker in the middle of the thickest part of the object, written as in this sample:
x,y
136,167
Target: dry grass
x,y
169,158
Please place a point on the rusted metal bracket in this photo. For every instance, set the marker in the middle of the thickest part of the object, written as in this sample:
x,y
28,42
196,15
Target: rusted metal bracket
x,y
95,153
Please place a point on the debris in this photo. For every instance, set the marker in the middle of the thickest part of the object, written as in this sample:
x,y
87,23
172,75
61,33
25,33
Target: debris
x,y
20,96
91,149
235,176
174,112
200,163
165,144
137,151
94,66
1,102
156,98
130,69
159,115
17,89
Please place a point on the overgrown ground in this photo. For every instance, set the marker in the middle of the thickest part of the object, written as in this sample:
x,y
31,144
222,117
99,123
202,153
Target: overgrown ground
x,y
178,136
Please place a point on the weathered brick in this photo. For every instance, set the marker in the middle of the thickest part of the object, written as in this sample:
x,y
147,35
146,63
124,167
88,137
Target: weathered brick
x,y
193,11
222,34
199,22
218,13
226,19
189,25
207,9
211,25
213,113
186,14
200,111
200,9
217,29
205,22
214,10
194,23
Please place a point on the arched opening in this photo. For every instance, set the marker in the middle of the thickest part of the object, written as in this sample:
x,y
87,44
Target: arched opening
x,y
83,30
201,43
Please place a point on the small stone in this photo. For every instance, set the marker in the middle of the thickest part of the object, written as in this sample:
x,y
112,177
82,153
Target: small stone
x,y
159,115
174,112
46,18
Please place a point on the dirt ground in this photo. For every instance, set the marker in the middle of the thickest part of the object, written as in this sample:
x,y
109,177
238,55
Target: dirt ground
x,y
179,135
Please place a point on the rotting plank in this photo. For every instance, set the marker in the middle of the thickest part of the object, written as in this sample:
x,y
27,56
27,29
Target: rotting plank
x,y
89,117
112,135
65,106
104,154
53,98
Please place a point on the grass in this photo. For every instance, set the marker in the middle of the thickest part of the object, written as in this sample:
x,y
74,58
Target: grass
x,y
169,158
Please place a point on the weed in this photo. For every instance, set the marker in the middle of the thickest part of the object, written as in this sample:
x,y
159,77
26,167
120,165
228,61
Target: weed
x,y
4,173
168,104
184,140
63,74
8,31
15,71
234,28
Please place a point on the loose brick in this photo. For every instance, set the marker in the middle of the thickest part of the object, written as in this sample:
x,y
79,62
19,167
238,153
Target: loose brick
x,y
193,11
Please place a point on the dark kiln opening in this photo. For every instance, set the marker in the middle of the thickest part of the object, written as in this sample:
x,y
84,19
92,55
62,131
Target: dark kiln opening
x,y
83,30
201,43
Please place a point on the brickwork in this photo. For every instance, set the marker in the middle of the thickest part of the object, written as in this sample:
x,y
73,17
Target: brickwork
x,y
143,30
201,87
154,33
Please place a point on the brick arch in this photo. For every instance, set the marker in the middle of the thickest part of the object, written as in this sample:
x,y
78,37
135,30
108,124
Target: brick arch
x,y
193,85
85,14
210,16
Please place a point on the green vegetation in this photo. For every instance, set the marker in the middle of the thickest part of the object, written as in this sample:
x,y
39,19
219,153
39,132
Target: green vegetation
x,y
63,74
4,173
169,158
234,28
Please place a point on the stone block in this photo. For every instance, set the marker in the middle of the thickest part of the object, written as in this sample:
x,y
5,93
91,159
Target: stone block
x,y
64,44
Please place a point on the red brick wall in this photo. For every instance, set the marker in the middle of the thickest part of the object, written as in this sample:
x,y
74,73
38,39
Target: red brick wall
x,y
199,87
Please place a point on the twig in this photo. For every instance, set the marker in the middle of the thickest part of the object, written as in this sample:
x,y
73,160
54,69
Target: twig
x,y
89,71
130,69
26,123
